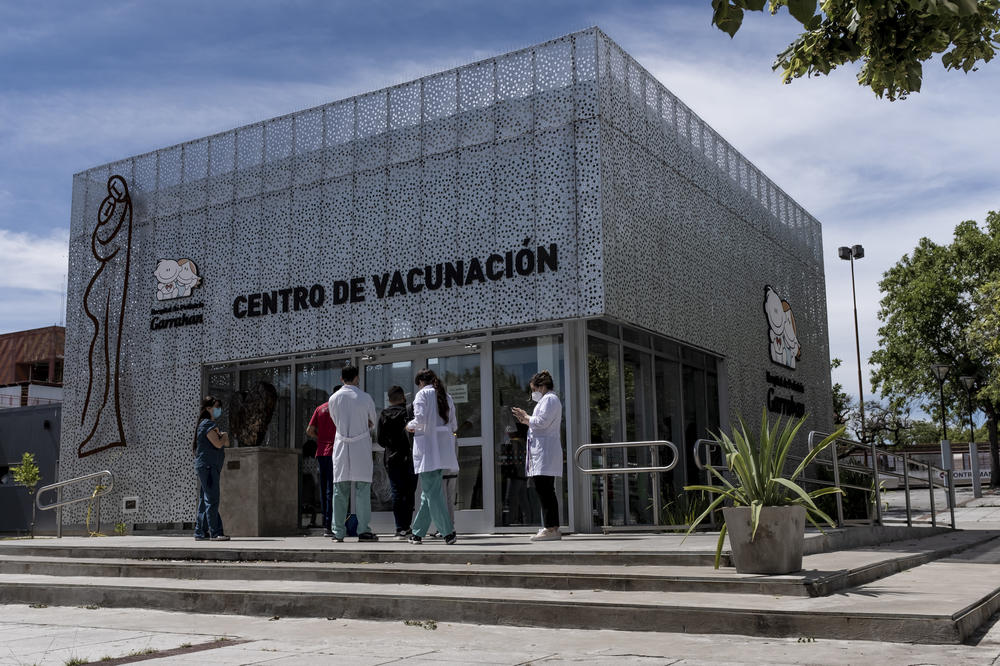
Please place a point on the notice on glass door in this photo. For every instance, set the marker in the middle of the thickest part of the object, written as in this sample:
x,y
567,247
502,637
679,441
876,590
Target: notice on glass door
x,y
459,393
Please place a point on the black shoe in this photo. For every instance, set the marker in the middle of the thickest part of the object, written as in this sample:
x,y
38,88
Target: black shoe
x,y
328,533
415,540
451,539
337,538
401,535
367,536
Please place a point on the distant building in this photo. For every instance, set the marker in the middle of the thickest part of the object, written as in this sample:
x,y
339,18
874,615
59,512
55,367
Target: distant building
x,y
31,367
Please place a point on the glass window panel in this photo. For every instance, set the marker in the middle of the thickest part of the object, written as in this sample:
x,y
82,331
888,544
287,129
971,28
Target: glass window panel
x,y
251,420
313,384
636,337
695,415
460,375
639,426
604,380
223,385
470,478
602,326
514,362
668,426
664,346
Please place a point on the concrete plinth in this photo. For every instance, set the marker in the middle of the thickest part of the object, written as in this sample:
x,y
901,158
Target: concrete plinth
x,y
260,491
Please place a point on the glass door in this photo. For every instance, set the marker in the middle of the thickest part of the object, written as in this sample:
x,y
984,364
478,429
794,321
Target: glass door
x,y
378,377
460,371
462,376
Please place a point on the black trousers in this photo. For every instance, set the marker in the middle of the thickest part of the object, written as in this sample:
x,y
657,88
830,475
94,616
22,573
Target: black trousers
x,y
403,482
545,486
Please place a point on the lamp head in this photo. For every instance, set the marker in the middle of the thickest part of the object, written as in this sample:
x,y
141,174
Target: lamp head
x,y
844,253
968,381
858,251
941,370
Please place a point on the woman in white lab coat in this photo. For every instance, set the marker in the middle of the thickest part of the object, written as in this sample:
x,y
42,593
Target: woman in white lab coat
x,y
544,459
433,427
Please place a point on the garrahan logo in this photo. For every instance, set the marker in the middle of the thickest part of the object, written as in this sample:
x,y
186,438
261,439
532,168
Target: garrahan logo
x,y
782,332
175,278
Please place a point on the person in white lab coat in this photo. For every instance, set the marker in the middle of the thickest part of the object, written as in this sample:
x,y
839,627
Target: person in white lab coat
x,y
544,459
433,427
353,413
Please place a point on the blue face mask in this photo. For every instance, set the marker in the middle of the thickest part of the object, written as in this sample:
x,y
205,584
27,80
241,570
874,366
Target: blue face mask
x,y
216,412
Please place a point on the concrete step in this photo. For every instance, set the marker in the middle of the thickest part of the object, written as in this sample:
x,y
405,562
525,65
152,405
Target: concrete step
x,y
822,574
938,602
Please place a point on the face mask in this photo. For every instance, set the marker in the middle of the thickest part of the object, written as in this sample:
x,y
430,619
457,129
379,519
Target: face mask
x,y
216,412
536,396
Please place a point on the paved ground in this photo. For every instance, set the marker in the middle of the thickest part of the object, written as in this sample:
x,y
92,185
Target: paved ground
x,y
69,635
59,635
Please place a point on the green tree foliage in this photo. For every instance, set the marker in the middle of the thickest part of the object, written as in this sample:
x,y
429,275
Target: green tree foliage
x,y
934,302
891,38
842,403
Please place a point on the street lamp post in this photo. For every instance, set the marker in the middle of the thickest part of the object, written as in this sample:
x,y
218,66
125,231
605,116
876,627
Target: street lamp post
x,y
941,371
850,254
977,489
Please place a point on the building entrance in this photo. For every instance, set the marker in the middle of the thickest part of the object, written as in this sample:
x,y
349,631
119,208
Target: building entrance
x,y
461,371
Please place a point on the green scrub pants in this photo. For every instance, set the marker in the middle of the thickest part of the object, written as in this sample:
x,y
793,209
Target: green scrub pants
x,y
362,506
432,506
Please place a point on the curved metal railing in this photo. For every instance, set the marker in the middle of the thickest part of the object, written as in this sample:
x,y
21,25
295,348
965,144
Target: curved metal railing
x,y
605,472
100,490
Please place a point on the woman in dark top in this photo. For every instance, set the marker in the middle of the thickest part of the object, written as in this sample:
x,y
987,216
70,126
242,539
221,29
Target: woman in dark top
x,y
209,443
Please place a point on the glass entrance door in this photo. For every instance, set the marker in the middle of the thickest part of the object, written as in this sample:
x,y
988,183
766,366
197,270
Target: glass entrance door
x,y
461,374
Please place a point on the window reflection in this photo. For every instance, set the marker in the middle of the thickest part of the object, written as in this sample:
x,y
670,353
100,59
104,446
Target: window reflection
x,y
252,418
514,363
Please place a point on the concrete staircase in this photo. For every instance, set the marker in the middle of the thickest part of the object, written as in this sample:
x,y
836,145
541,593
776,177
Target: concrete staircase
x,y
935,586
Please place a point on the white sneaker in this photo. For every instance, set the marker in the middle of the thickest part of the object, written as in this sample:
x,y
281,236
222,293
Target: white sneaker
x,y
547,534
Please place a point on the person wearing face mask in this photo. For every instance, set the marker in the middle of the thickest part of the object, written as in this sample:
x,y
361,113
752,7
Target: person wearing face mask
x,y
544,459
209,445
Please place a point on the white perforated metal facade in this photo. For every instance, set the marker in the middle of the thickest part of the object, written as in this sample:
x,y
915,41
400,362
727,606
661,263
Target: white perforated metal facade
x,y
657,221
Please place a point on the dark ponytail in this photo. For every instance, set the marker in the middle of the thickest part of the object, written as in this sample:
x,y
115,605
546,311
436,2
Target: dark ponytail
x,y
205,413
427,376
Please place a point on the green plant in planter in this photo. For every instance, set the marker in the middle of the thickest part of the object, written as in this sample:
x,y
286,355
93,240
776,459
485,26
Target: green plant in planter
x,y
758,466
28,475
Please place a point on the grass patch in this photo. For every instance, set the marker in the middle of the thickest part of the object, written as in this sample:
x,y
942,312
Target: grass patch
x,y
429,625
75,661
38,606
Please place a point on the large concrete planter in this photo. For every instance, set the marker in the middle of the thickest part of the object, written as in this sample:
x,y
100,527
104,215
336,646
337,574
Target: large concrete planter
x,y
777,548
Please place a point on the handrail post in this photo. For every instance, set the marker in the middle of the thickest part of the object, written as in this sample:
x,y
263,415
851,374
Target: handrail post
x,y
59,514
951,497
906,487
930,486
655,457
98,498
836,482
878,489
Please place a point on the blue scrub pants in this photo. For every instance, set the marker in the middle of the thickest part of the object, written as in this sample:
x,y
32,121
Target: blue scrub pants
x,y
362,506
432,506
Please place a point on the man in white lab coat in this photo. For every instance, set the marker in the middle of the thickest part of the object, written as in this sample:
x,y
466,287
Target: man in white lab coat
x,y
353,412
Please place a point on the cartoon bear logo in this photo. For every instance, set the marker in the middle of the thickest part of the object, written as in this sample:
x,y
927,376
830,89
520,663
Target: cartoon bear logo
x,y
782,332
175,278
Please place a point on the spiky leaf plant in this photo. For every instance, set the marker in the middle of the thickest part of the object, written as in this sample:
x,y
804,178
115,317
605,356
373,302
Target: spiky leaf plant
x,y
758,466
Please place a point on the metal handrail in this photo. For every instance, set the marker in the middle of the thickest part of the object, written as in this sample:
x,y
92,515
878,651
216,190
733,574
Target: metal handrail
x,y
625,470
947,484
104,489
605,472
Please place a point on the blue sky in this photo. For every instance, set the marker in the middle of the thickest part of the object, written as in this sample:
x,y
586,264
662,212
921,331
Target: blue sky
x,y
83,84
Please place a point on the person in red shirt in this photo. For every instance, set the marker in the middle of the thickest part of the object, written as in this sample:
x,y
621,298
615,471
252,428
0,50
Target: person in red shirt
x,y
322,429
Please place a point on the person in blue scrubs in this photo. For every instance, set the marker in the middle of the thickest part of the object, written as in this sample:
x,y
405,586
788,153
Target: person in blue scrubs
x,y
209,454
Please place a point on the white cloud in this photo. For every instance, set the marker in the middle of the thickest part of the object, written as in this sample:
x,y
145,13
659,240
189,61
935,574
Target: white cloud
x,y
31,262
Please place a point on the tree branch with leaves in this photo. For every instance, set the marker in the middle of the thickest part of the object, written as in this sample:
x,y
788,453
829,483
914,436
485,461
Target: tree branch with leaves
x,y
891,38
